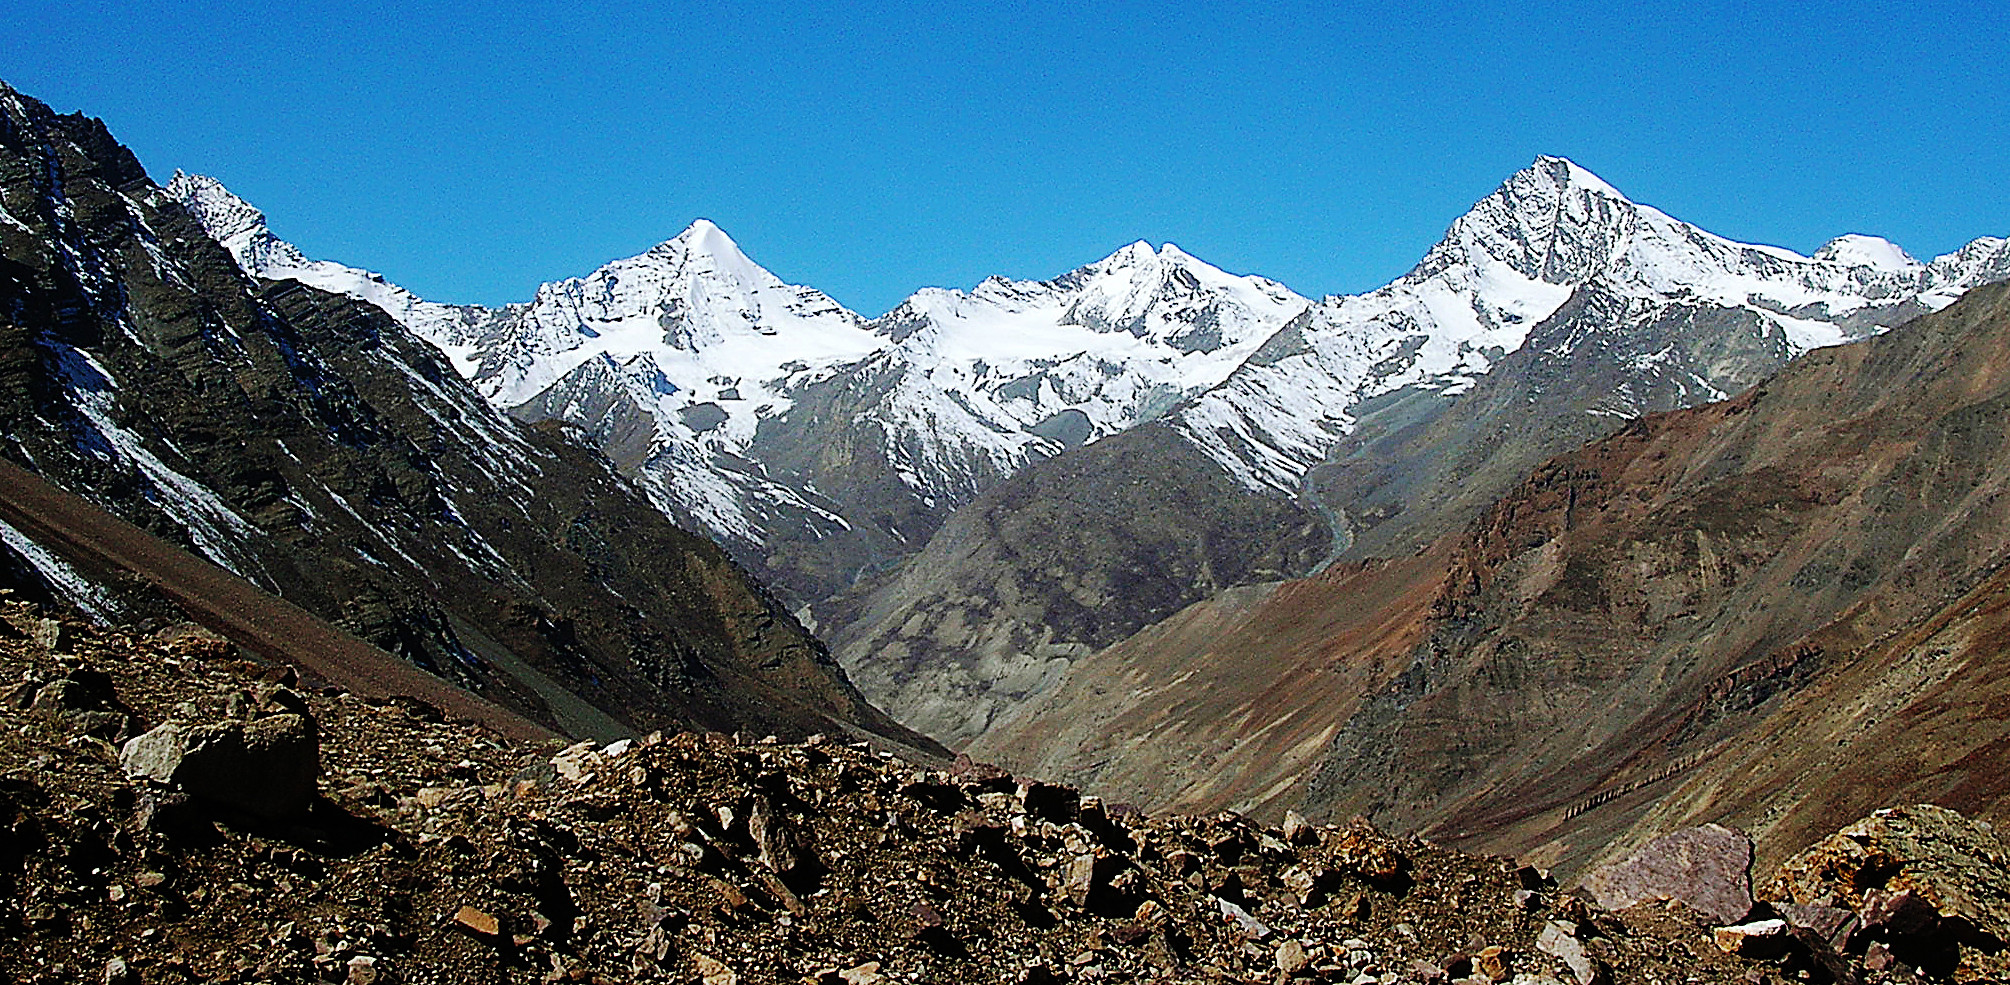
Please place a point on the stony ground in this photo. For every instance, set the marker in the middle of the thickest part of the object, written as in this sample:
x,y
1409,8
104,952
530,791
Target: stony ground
x,y
436,852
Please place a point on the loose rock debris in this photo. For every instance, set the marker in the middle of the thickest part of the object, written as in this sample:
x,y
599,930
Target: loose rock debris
x,y
431,851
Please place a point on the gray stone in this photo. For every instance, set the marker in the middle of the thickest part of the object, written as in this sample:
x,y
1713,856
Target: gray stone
x,y
118,972
266,768
1708,868
52,635
1291,958
1558,940
1250,926
781,848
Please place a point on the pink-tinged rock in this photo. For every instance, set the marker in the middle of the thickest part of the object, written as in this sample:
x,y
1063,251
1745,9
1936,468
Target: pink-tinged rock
x,y
1708,868
1833,924
1901,914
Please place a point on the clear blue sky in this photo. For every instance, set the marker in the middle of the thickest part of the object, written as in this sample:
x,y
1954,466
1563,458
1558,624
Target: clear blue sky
x,y
473,151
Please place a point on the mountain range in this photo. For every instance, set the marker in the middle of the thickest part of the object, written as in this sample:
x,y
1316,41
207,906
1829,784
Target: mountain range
x,y
1592,524
939,491
1767,611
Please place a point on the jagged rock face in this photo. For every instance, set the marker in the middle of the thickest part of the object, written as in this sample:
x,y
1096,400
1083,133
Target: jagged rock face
x,y
312,445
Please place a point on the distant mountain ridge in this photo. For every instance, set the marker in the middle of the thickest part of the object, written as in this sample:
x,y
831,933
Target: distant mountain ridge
x,y
1766,611
776,419
1550,314
829,450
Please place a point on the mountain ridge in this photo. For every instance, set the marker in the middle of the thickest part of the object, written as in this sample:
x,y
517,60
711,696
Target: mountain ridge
x,y
1379,416
315,447
1712,614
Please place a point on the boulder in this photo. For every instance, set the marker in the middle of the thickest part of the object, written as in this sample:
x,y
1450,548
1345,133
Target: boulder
x,y
1298,831
1833,924
266,768
1708,868
84,698
1292,958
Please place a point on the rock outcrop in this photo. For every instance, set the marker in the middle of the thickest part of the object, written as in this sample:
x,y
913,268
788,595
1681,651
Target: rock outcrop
x,y
1931,890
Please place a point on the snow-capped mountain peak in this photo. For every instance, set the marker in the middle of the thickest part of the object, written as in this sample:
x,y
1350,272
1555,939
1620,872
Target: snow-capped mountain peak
x,y
707,249
1858,250
1512,261
1567,173
231,220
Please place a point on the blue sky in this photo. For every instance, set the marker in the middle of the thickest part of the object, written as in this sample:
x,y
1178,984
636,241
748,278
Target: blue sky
x,y
472,151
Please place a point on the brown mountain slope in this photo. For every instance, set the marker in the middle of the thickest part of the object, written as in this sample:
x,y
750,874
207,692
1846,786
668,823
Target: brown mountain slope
x,y
1227,703
110,549
1635,611
1720,613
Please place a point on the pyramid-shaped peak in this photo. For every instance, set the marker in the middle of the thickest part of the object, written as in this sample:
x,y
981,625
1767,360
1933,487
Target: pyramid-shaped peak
x,y
1134,253
703,246
218,209
1568,174
705,236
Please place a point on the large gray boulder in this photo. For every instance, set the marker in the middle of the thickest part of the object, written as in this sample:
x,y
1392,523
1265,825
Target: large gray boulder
x,y
266,768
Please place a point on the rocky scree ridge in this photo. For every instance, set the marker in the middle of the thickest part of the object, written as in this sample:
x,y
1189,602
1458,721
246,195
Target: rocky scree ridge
x,y
429,851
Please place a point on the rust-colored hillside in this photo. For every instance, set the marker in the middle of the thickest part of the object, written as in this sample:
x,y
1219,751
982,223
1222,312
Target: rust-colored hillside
x,y
1774,611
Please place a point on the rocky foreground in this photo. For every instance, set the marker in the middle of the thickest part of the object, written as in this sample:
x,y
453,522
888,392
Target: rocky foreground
x,y
171,811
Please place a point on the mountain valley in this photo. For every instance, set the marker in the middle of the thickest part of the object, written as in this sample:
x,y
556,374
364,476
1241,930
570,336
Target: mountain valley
x,y
1591,527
